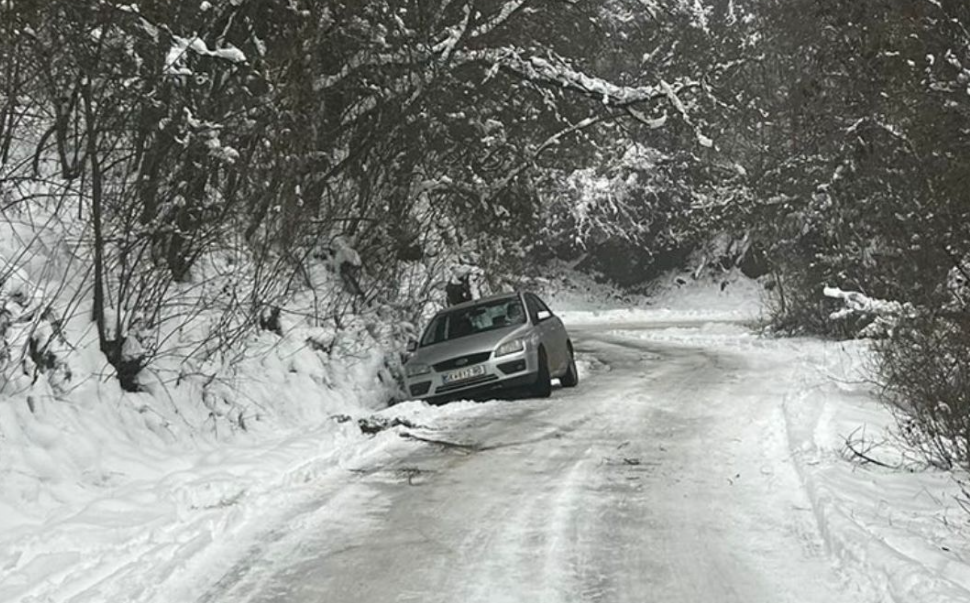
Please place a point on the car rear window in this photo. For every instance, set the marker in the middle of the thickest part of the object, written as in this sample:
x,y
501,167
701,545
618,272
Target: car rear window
x,y
479,318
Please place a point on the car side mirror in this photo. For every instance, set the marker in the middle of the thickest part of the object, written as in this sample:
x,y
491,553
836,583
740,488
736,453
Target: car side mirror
x,y
412,345
542,315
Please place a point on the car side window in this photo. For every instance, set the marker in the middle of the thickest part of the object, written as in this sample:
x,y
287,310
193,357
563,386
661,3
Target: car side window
x,y
513,313
532,303
542,305
435,331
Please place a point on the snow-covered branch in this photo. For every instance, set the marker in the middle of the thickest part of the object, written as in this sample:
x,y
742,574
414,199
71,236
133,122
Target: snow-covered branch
x,y
503,15
455,35
884,314
539,69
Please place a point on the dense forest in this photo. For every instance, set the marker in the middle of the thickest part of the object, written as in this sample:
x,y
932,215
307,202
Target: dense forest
x,y
208,163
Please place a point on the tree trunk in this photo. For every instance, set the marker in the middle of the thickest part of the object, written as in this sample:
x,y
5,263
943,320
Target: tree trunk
x,y
96,216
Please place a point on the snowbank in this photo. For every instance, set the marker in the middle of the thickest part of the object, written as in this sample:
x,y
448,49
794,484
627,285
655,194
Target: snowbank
x,y
895,525
111,495
901,526
102,488
164,521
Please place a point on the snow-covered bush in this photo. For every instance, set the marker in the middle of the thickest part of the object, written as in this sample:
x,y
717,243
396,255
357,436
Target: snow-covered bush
x,y
211,181
866,317
31,339
625,218
958,285
924,367
855,165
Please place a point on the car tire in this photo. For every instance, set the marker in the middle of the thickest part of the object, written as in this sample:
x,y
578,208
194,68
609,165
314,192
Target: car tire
x,y
543,385
571,376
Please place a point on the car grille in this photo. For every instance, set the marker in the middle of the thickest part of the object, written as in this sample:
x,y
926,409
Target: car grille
x,y
462,361
463,384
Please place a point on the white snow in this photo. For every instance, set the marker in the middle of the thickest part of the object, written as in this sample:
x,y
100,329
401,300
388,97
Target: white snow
x,y
884,315
104,498
175,58
108,495
676,297
856,302
900,532
903,527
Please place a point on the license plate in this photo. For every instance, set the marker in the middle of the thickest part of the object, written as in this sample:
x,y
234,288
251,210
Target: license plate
x,y
462,374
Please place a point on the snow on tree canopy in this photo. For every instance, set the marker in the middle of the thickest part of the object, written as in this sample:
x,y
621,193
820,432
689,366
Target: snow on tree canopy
x,y
175,59
344,254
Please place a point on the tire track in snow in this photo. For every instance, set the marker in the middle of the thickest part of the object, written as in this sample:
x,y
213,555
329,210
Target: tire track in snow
x,y
640,485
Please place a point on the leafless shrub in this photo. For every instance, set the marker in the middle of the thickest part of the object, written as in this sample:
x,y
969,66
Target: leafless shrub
x,y
925,370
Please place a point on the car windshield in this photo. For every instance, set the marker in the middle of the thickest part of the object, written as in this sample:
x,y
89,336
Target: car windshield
x,y
474,319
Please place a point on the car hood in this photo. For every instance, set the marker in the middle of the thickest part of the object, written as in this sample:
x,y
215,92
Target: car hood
x,y
470,344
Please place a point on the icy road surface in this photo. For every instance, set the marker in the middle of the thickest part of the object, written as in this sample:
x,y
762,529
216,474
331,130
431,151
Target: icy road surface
x,y
662,477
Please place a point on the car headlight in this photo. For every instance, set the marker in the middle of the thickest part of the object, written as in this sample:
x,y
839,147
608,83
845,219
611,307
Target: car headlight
x,y
510,347
413,370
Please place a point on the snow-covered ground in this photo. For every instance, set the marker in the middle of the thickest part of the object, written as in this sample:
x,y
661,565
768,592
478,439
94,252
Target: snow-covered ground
x,y
165,516
94,507
100,485
674,297
893,524
904,526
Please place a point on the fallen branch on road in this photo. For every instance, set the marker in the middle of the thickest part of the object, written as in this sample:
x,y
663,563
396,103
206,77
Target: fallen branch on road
x,y
469,448
372,425
859,448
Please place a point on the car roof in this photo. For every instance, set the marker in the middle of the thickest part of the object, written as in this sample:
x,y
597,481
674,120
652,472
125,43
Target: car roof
x,y
482,300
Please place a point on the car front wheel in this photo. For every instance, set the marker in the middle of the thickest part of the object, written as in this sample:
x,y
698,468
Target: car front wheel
x,y
543,384
571,378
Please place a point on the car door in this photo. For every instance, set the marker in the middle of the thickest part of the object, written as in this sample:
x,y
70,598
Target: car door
x,y
551,332
560,337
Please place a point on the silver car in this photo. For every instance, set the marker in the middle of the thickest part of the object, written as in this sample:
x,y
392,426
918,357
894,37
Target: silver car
x,y
476,349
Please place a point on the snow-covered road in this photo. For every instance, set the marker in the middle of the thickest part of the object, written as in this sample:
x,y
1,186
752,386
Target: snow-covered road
x,y
665,476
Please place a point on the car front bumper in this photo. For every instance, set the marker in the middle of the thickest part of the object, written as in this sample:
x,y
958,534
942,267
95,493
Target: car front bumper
x,y
511,371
